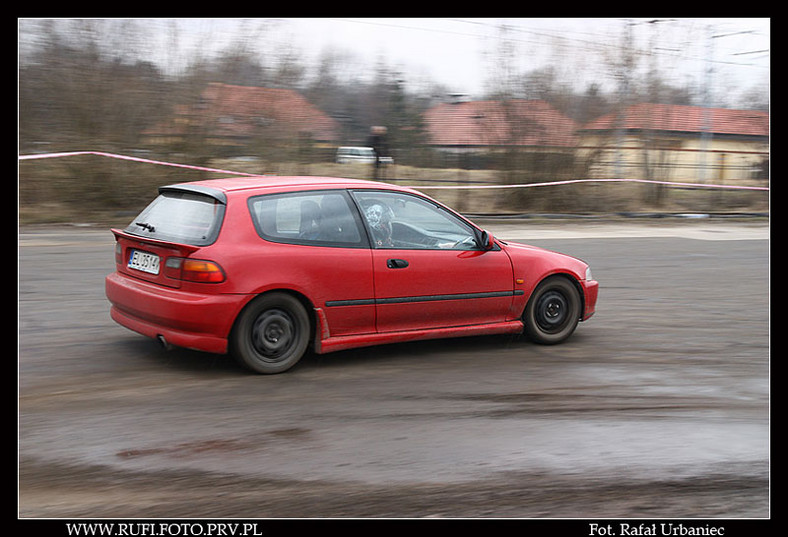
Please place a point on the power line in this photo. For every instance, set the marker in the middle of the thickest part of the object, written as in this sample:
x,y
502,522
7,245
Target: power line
x,y
591,42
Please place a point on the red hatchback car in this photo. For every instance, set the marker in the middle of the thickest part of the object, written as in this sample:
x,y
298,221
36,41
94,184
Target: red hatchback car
x,y
264,268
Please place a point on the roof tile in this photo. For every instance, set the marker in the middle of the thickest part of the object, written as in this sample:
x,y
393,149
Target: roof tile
x,y
680,118
238,111
517,122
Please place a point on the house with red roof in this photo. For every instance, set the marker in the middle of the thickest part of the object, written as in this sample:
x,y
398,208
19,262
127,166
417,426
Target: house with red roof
x,y
463,127
678,143
528,136
240,116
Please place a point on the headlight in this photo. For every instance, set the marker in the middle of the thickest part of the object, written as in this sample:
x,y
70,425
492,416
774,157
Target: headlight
x,y
589,276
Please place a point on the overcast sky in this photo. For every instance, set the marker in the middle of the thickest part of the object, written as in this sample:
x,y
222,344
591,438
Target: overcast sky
x,y
460,52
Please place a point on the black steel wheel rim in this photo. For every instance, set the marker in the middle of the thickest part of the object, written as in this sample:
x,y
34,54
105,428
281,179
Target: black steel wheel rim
x,y
552,311
273,334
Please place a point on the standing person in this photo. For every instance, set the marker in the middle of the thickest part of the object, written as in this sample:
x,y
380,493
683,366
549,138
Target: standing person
x,y
377,141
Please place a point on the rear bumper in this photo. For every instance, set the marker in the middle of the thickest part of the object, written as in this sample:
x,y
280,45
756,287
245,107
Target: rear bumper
x,y
184,319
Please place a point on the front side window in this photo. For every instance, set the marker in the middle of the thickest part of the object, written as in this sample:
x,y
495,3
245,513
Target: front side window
x,y
404,221
317,218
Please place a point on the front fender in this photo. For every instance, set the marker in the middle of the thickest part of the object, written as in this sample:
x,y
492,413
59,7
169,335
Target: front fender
x,y
531,265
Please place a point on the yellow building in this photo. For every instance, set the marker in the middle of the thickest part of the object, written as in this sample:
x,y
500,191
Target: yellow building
x,y
678,144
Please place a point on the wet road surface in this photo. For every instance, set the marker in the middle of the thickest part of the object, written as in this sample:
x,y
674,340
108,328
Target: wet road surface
x,y
656,407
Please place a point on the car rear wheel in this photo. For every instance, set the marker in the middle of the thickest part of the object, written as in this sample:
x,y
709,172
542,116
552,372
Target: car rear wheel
x,y
553,311
272,334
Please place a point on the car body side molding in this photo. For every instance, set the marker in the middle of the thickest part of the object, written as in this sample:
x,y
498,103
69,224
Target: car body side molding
x,y
339,343
427,298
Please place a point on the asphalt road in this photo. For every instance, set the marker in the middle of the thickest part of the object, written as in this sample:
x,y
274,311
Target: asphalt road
x,y
657,407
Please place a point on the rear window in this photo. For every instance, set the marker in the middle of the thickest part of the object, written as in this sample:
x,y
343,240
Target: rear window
x,y
183,217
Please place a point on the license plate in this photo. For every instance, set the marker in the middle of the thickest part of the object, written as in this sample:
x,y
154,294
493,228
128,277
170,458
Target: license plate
x,y
144,261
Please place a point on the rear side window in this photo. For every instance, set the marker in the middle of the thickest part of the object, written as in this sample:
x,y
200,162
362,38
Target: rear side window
x,y
316,218
183,217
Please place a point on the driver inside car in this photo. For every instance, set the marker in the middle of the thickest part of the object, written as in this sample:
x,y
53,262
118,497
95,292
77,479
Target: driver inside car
x,y
379,217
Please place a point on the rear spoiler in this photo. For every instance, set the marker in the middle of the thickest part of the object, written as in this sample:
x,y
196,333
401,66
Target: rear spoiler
x,y
218,195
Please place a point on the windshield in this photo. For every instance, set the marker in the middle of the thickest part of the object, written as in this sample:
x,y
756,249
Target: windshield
x,y
183,217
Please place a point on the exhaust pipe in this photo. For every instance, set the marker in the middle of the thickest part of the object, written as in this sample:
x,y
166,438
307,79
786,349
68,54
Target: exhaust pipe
x,y
163,342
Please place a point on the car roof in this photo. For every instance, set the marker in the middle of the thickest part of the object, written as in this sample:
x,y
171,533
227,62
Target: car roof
x,y
276,183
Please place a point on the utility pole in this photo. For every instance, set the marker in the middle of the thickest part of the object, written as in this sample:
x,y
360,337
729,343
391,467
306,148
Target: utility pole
x,y
706,128
623,95
707,132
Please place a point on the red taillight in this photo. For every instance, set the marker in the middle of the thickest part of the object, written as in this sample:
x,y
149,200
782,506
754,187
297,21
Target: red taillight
x,y
193,270
197,270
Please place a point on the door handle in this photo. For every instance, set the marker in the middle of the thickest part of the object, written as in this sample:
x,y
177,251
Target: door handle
x,y
396,263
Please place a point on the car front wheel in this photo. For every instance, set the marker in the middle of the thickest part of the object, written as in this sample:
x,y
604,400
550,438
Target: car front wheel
x,y
553,311
272,334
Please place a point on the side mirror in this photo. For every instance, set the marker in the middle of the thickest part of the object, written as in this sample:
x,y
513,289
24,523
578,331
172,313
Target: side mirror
x,y
485,240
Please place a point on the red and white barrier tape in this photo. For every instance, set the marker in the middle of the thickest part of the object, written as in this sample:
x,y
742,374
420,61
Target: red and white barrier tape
x,y
573,181
421,187
136,159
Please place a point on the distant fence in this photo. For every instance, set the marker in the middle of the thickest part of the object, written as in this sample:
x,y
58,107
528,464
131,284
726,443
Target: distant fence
x,y
677,184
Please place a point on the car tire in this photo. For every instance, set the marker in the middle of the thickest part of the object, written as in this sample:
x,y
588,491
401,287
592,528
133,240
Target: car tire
x,y
553,311
271,334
